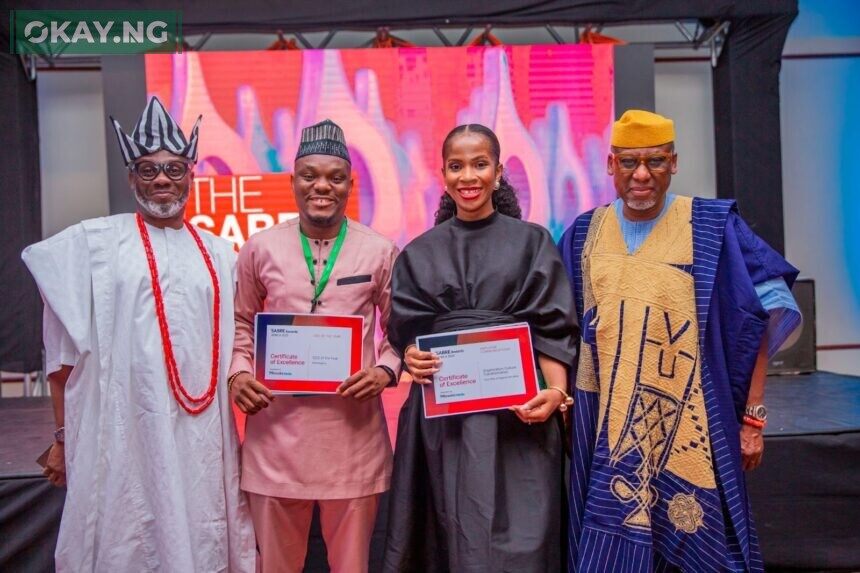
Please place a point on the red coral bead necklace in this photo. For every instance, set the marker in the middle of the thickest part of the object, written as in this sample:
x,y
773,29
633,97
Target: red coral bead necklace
x,y
198,403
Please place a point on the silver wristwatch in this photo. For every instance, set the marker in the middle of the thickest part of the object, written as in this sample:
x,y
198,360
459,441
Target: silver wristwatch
x,y
758,412
60,435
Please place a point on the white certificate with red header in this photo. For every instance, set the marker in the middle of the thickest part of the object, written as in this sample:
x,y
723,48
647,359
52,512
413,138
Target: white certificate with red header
x,y
306,353
482,370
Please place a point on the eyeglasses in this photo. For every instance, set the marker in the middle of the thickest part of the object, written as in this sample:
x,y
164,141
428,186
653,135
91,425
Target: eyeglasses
x,y
148,170
655,163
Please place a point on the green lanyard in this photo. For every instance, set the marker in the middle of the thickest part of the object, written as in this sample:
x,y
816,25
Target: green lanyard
x,y
335,250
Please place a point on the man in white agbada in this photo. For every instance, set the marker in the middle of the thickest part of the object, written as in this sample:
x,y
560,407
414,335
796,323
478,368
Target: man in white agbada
x,y
138,334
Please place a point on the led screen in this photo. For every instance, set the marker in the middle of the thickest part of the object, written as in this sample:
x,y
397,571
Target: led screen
x,y
551,107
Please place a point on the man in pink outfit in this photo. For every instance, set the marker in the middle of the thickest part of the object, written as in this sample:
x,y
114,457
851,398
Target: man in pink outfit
x,y
331,450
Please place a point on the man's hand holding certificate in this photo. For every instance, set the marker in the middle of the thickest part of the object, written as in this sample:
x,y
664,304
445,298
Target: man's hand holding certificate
x,y
365,384
480,370
305,354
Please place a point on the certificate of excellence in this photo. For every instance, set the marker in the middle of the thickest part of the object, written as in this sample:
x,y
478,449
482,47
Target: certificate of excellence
x,y
482,370
306,353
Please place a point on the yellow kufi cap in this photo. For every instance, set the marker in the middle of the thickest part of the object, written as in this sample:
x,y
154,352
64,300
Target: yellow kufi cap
x,y
638,128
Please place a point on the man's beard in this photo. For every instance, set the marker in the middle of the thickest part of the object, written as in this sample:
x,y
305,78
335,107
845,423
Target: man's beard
x,y
641,204
319,221
162,210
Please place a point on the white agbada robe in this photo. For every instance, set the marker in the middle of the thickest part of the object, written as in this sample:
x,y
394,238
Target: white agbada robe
x,y
150,487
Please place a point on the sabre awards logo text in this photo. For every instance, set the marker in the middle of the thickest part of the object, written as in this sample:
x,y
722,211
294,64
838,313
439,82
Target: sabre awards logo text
x,y
55,32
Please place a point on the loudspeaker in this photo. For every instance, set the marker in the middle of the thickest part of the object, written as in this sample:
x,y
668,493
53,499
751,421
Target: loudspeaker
x,y
799,357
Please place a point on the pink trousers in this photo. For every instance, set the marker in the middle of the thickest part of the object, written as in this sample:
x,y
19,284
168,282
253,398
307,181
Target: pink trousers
x,y
282,527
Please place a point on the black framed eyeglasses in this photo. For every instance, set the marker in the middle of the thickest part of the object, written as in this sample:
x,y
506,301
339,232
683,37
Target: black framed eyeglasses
x,y
149,170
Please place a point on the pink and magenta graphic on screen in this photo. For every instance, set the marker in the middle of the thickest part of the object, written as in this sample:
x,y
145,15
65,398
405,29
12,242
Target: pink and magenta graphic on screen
x,y
551,107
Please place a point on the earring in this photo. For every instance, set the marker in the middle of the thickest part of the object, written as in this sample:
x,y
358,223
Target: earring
x,y
498,183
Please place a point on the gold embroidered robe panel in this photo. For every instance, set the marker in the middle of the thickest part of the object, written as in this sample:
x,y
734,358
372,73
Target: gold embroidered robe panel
x,y
647,336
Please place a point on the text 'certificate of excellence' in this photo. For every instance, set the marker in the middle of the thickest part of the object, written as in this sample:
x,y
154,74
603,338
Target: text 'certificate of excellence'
x,y
482,370
306,353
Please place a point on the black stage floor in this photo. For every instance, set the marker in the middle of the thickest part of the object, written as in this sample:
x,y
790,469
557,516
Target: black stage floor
x,y
805,497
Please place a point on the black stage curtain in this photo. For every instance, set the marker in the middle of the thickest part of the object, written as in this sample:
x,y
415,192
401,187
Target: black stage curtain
x,y
30,510
746,123
20,217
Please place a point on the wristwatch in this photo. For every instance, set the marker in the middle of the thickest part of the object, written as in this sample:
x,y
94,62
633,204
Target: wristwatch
x,y
60,435
757,412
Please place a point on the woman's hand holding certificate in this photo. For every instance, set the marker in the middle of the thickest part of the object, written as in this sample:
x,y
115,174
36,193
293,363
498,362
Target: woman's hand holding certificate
x,y
486,369
421,364
542,406
475,370
539,408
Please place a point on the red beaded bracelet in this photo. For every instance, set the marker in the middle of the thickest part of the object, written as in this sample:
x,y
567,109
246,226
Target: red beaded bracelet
x,y
750,421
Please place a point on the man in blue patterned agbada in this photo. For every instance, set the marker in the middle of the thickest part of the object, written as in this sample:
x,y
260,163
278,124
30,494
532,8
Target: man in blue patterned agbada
x,y
680,305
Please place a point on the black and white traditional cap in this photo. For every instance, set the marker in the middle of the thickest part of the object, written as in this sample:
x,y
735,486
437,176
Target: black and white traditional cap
x,y
323,138
156,130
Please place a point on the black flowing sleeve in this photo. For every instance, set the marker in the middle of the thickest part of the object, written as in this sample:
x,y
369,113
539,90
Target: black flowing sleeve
x,y
546,303
412,312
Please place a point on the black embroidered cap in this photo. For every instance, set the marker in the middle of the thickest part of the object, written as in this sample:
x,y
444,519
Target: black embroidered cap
x,y
323,138
156,130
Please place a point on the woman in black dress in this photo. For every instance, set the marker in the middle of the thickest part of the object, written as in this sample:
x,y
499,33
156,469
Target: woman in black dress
x,y
480,492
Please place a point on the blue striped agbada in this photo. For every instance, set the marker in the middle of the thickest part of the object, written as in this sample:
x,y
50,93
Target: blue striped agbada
x,y
670,335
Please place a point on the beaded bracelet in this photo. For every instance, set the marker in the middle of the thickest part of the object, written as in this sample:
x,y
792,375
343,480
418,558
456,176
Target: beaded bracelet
x,y
232,379
750,421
